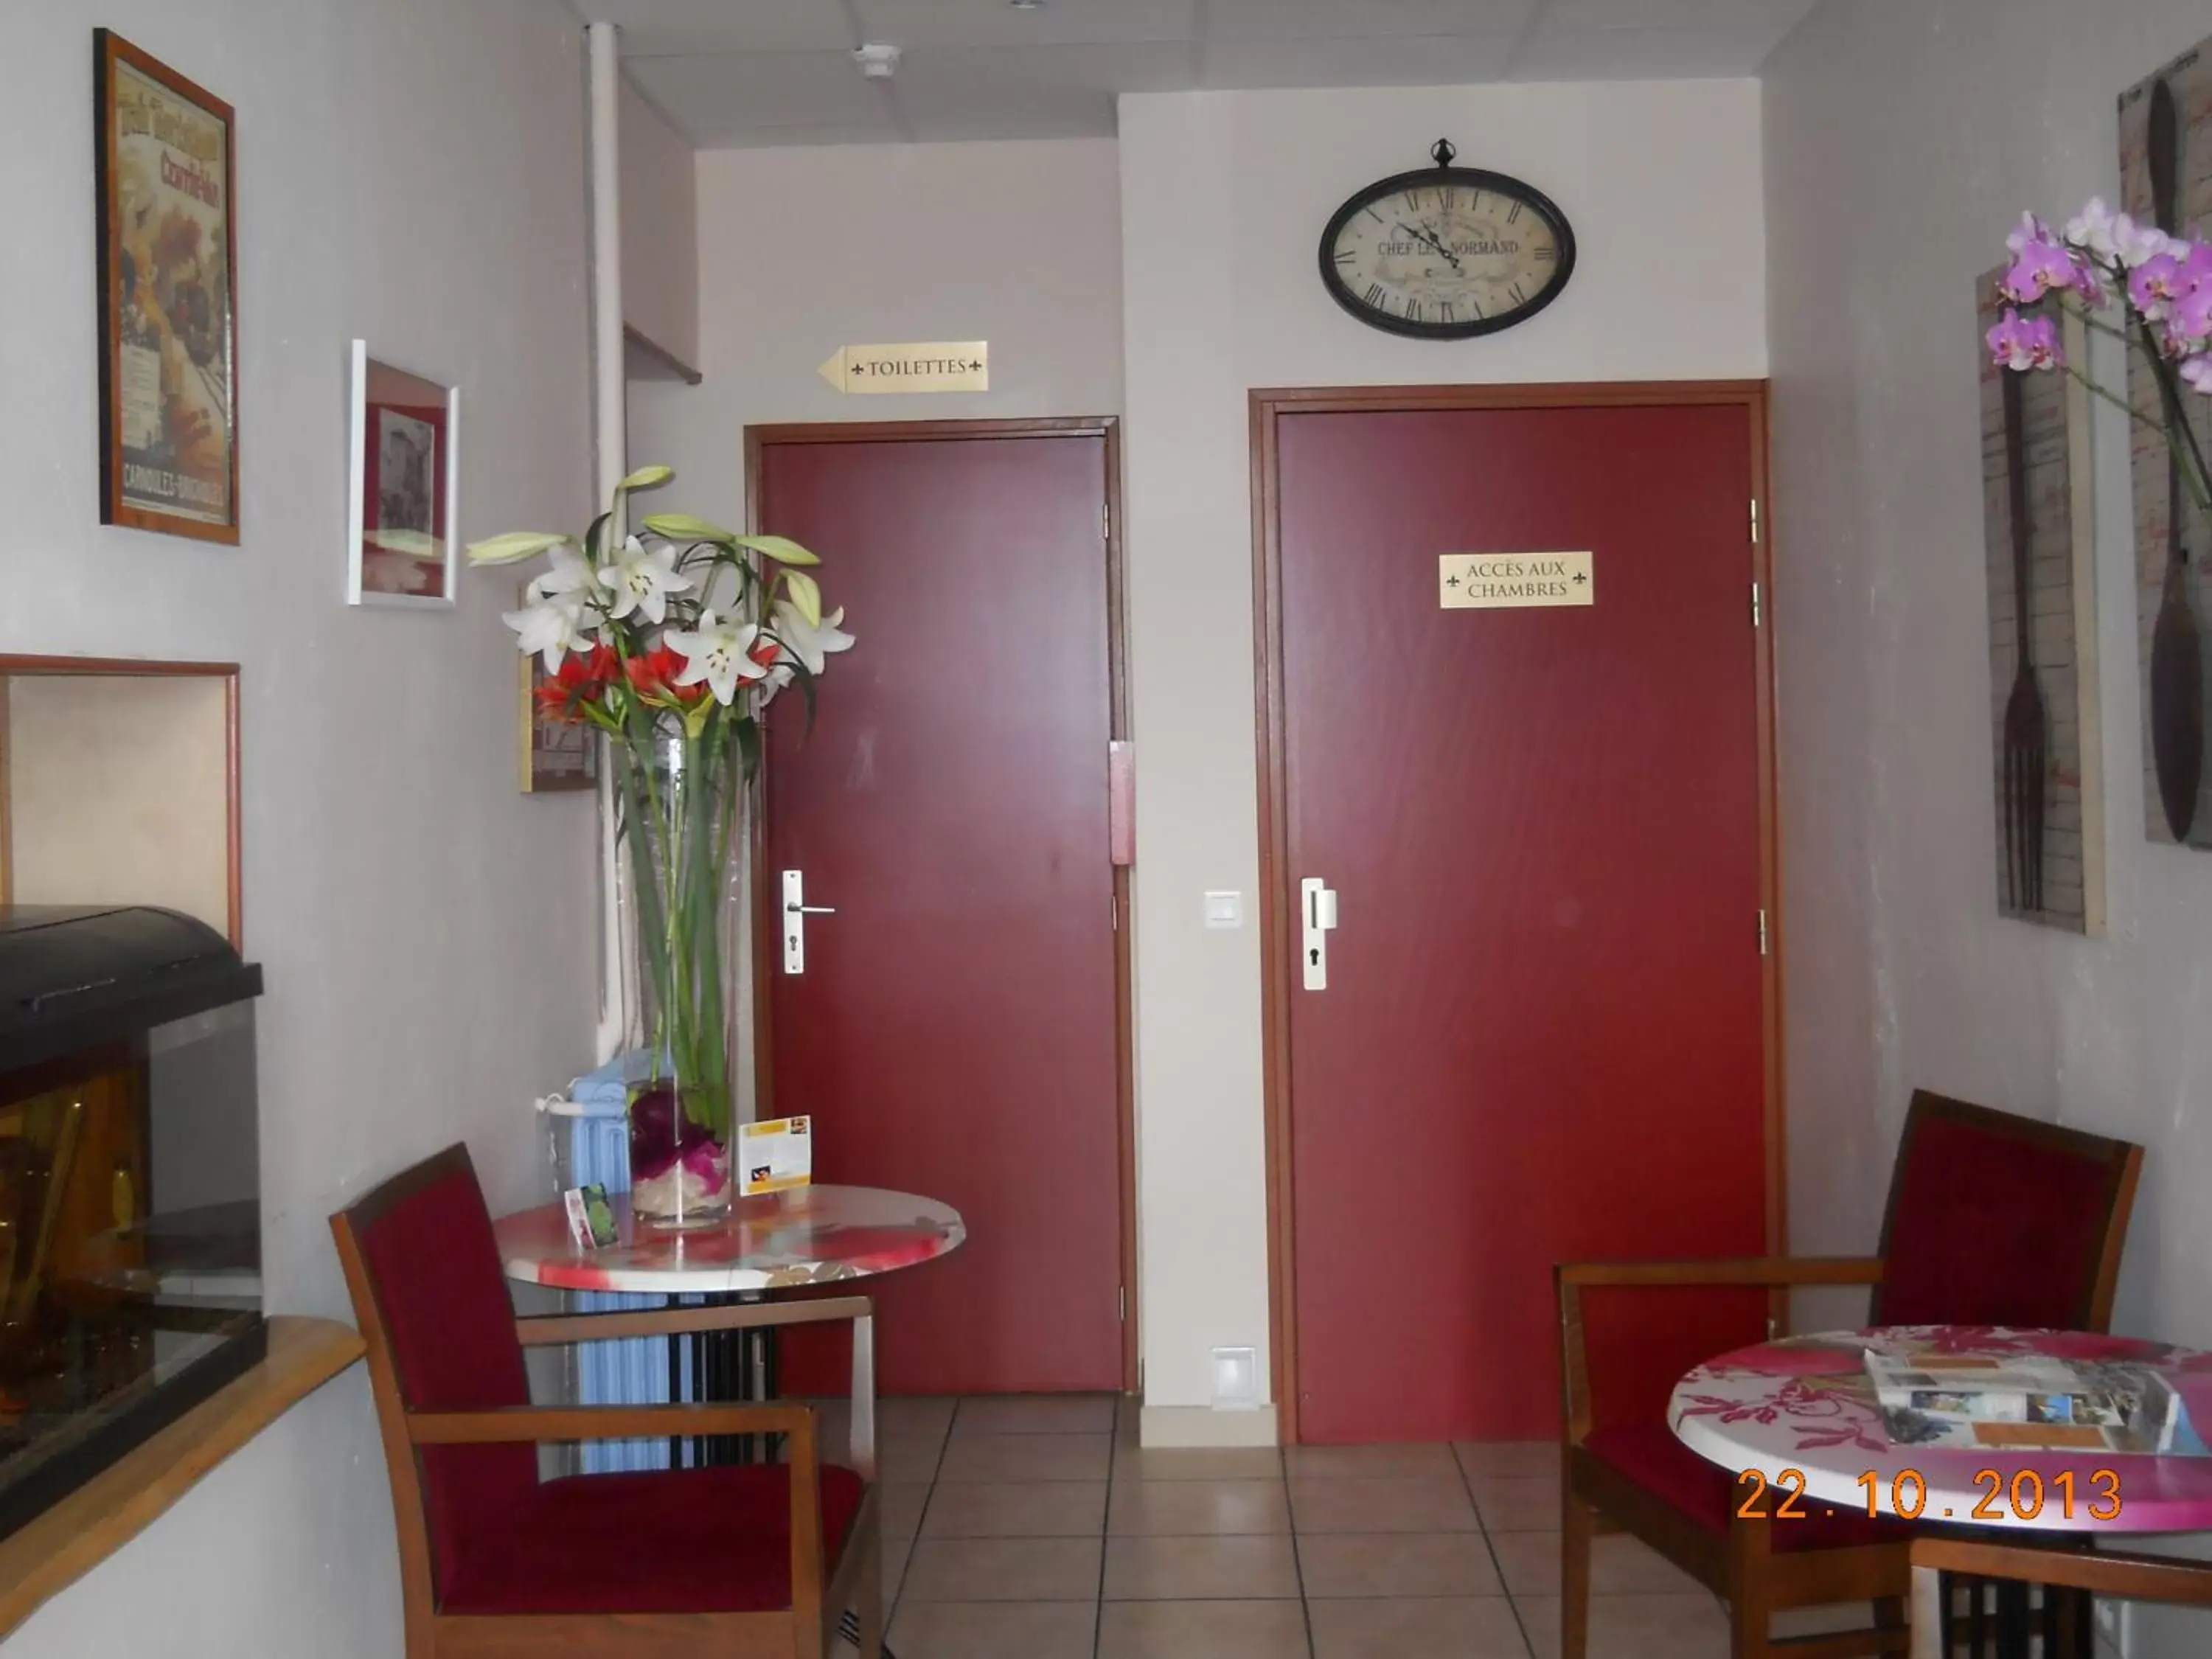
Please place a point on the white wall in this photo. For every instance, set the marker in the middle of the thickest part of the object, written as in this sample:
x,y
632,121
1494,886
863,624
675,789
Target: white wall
x,y
802,251
410,172
1190,267
1223,196
660,227
1904,137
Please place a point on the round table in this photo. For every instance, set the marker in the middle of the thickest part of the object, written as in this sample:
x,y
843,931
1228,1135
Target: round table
x,y
777,1241
774,1241
1804,1405
802,1236
1801,1413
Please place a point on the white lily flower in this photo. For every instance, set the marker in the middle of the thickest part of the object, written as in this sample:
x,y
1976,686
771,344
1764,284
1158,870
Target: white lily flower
x,y
780,675
552,628
807,642
641,579
570,575
719,653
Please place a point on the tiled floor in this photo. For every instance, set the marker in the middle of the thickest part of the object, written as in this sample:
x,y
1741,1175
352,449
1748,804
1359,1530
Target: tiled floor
x,y
1037,1528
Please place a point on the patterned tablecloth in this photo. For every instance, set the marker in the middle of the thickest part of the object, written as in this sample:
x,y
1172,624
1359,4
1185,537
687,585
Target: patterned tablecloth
x,y
1799,1413
806,1236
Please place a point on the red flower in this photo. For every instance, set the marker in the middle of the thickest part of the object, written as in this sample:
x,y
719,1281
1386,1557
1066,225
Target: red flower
x,y
579,680
653,675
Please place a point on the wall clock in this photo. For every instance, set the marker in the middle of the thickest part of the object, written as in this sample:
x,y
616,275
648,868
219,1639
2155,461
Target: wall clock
x,y
1446,252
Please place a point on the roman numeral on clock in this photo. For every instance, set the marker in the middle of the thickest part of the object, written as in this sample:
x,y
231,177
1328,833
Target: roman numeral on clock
x,y
1514,217
1413,309
1374,294
1344,256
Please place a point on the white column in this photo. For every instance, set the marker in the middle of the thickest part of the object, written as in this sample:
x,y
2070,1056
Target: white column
x,y
610,448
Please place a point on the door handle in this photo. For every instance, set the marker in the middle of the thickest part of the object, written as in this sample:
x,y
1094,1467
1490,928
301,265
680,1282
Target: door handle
x,y
796,910
1317,921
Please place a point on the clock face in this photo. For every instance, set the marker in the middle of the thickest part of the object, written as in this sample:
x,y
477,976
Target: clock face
x,y
1446,252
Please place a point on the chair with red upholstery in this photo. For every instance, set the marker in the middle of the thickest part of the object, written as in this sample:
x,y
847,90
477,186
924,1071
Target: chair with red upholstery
x,y
1993,1219
744,1561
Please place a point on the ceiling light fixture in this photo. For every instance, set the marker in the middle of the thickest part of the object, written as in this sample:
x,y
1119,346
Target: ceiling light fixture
x,y
879,60
1028,5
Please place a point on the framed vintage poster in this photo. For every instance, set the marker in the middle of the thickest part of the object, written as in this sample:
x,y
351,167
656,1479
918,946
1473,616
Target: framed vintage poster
x,y
2166,179
556,754
404,513
2039,535
168,304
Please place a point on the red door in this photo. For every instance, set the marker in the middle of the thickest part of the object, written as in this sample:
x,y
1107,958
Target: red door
x,y
1542,1036
953,1031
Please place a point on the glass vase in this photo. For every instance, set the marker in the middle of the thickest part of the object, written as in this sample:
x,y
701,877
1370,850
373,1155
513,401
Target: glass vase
x,y
678,793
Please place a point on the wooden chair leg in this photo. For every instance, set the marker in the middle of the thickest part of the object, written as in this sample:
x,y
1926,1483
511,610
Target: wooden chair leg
x,y
1577,1527
1889,1615
1750,1598
870,1600
1751,1625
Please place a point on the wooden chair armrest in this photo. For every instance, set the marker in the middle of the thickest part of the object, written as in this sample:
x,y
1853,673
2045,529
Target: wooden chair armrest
x,y
508,1423
1771,1272
1766,1272
539,1330
2134,1576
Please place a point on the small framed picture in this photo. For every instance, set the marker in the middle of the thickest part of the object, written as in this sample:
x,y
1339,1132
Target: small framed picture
x,y
168,312
404,515
557,753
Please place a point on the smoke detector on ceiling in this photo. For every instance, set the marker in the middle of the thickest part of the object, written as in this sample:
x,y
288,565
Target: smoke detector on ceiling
x,y
877,60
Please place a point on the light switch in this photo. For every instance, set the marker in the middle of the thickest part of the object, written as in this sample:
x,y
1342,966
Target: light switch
x,y
1225,909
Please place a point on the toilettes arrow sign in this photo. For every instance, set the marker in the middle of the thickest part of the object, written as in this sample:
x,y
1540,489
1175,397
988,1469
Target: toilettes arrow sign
x,y
926,366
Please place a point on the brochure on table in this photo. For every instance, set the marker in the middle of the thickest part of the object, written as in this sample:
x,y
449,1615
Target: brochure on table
x,y
2029,1402
775,1155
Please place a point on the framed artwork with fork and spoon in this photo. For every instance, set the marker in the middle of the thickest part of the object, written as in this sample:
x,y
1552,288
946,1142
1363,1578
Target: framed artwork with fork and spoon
x,y
2039,558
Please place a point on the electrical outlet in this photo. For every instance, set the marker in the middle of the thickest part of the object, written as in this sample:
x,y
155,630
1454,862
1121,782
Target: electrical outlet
x,y
1236,1379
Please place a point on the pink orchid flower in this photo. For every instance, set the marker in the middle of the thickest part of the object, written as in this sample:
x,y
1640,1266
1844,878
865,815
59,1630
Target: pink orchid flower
x,y
2189,323
2158,282
2025,343
2041,266
2196,371
2029,229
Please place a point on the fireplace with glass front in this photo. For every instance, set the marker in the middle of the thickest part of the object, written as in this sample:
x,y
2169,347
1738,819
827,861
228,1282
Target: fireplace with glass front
x,y
130,1187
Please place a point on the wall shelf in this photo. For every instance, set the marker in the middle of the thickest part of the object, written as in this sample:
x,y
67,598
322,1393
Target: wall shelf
x,y
66,1542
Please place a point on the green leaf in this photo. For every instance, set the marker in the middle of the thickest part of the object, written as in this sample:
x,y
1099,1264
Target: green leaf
x,y
696,717
649,478
805,595
595,538
683,527
514,546
781,549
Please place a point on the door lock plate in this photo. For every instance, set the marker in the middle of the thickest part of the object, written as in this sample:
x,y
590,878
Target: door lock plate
x,y
1317,921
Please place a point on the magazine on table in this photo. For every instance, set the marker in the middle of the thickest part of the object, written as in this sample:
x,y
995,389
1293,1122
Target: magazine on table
x,y
2028,1402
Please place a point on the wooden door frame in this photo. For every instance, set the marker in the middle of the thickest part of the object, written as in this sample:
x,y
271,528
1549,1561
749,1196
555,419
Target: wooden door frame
x,y
1267,405
758,439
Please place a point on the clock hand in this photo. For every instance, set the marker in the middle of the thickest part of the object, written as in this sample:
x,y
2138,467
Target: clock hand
x,y
1430,237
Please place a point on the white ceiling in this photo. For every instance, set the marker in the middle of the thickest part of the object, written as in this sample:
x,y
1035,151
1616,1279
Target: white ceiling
x,y
748,72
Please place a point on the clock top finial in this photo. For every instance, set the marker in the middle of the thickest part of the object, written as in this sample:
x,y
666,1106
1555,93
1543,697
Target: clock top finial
x,y
1441,152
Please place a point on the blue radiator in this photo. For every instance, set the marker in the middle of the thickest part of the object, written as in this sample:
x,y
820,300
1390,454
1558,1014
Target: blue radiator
x,y
635,1370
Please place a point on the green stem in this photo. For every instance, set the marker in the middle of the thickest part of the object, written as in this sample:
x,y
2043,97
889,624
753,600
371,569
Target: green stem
x,y
2180,437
